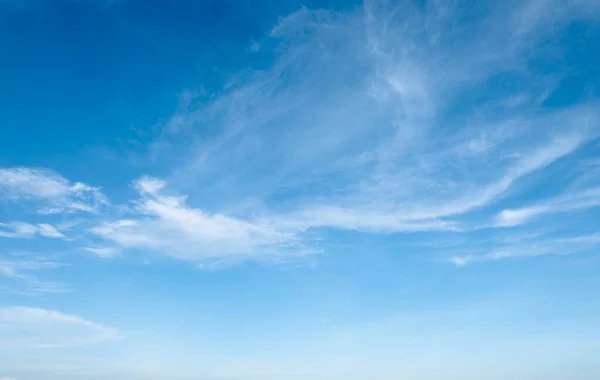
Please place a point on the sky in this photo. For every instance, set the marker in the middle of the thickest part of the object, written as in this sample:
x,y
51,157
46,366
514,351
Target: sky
x,y
299,190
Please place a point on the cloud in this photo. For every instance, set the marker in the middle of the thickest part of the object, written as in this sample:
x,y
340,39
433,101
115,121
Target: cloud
x,y
26,230
570,202
365,143
103,251
18,274
535,14
516,217
7,378
420,212
42,185
25,327
49,231
388,118
167,224
548,246
33,182
17,230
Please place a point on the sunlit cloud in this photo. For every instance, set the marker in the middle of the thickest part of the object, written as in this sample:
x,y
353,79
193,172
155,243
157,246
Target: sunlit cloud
x,y
52,192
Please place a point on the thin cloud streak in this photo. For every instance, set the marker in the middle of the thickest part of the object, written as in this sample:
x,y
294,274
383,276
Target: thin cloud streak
x,y
27,230
566,203
18,274
25,327
550,246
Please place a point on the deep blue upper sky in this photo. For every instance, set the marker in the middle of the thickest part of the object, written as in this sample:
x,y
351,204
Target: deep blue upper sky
x,y
96,72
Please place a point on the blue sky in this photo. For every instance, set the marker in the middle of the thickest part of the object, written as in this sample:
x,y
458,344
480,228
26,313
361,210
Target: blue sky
x,y
303,190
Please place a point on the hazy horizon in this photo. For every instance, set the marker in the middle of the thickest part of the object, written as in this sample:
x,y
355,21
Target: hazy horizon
x,y
299,189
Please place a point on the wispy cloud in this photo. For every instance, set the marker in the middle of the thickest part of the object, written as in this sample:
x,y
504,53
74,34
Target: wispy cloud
x,y
17,230
18,273
569,202
49,231
389,118
27,230
421,211
167,224
55,193
548,246
105,252
24,327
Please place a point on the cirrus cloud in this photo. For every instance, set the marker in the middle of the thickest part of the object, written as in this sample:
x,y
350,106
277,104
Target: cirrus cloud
x,y
25,327
55,193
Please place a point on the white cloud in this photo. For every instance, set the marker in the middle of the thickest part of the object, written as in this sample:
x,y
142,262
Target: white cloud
x,y
460,261
149,185
49,231
509,218
24,327
360,220
546,14
427,210
27,230
568,202
33,184
385,119
7,378
37,183
548,246
17,230
50,210
103,251
306,135
368,121
167,224
18,273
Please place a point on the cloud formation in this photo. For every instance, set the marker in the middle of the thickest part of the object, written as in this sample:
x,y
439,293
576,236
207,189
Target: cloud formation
x,y
24,327
54,193
570,202
534,247
389,118
26,230
166,224
18,273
